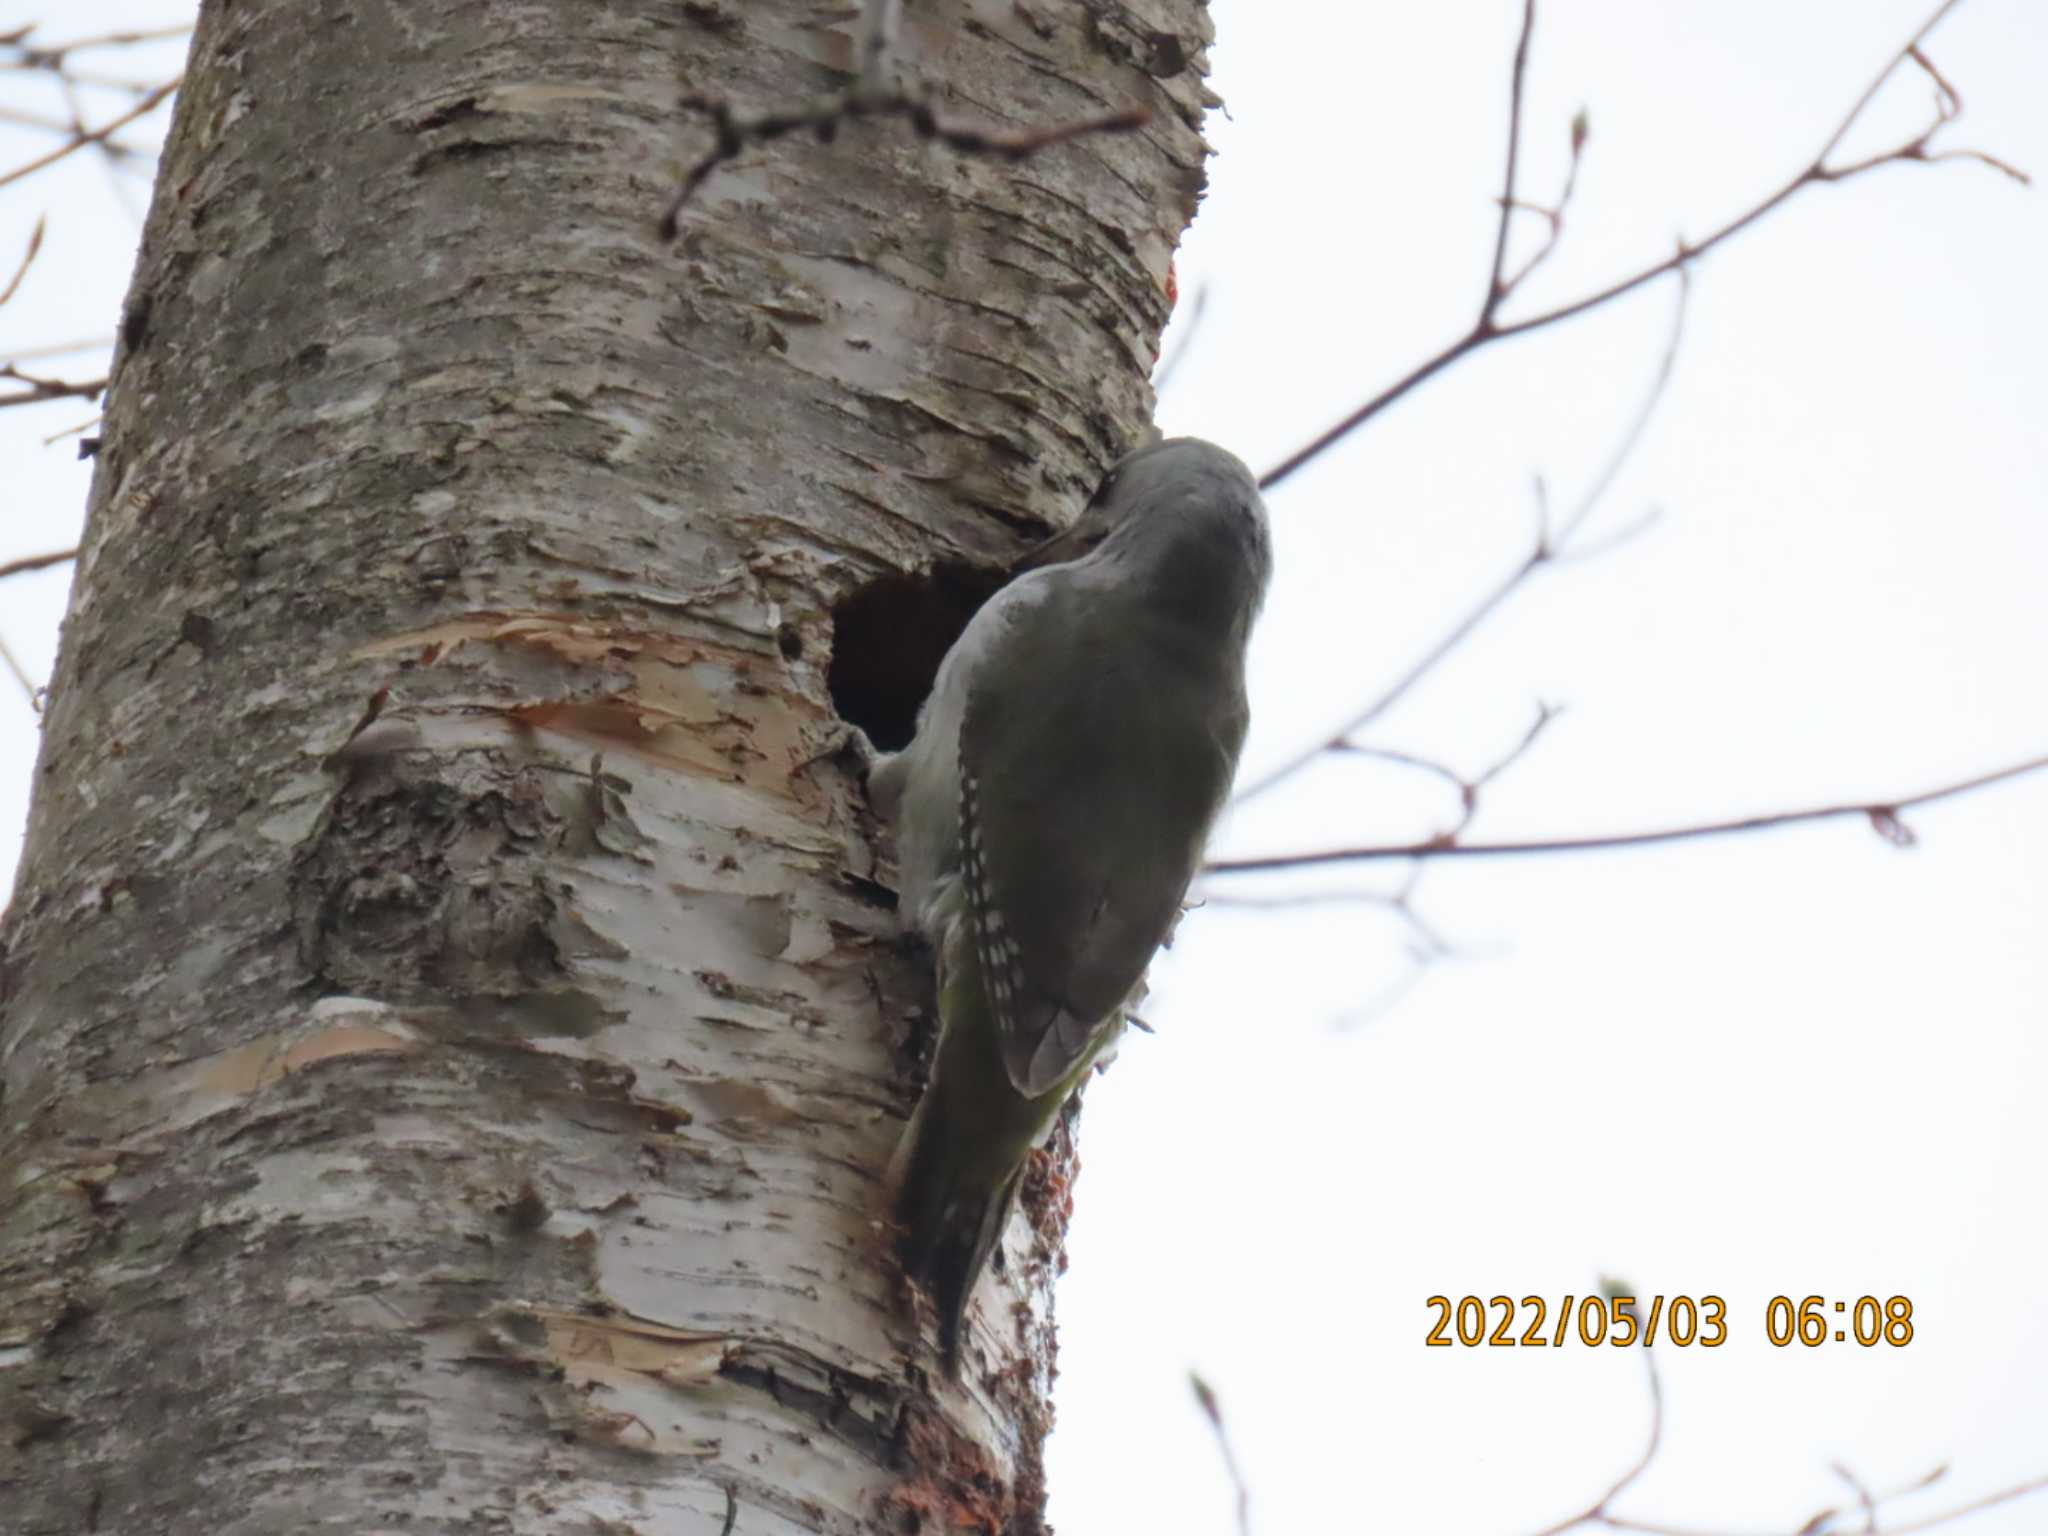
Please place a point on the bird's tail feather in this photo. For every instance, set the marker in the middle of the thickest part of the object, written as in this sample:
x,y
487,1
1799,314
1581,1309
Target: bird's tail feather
x,y
950,1227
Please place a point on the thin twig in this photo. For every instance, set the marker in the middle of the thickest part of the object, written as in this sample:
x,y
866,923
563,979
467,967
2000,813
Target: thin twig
x,y
1883,816
87,447
1205,1395
113,147
149,103
28,257
1402,759
1426,947
36,562
1631,439
20,674
1935,1521
1864,1501
1497,288
41,389
1553,213
1545,715
1596,1513
109,152
1600,1513
52,55
1550,548
94,80
1469,789
1487,328
1656,1437
61,349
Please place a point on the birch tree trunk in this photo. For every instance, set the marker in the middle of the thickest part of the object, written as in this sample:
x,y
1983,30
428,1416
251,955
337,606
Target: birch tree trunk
x,y
451,1043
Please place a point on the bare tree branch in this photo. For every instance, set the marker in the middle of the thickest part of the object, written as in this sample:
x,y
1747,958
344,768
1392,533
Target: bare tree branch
x,y
54,55
28,258
154,98
1553,213
1935,1521
36,562
1864,1501
66,125
1497,287
62,349
1205,1395
1552,546
1600,1513
1469,789
1596,1512
1487,327
1883,816
21,676
1426,946
41,389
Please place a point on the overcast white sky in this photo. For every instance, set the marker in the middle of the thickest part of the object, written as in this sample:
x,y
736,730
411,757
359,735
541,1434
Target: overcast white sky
x,y
1801,1063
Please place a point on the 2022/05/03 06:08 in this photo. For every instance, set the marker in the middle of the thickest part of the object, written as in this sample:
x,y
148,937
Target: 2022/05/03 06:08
x,y
1623,1321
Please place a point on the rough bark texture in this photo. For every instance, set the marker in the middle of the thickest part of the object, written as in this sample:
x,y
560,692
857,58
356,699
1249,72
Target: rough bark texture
x,y
450,1044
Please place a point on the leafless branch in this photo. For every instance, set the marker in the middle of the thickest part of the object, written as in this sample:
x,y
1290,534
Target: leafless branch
x,y
1883,816
1399,759
19,52
1596,1513
869,98
28,258
23,119
1600,1515
1426,946
1469,789
1205,1395
36,562
1651,1445
62,349
1936,1521
1864,1501
20,674
94,80
1488,327
1497,286
1553,545
150,101
55,55
1553,213
113,154
41,389
1387,997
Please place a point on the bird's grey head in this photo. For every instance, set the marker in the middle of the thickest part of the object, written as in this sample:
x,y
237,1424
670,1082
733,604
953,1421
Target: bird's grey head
x,y
1182,510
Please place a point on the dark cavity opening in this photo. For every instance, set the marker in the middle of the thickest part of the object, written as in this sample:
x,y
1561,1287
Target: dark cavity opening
x,y
888,639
